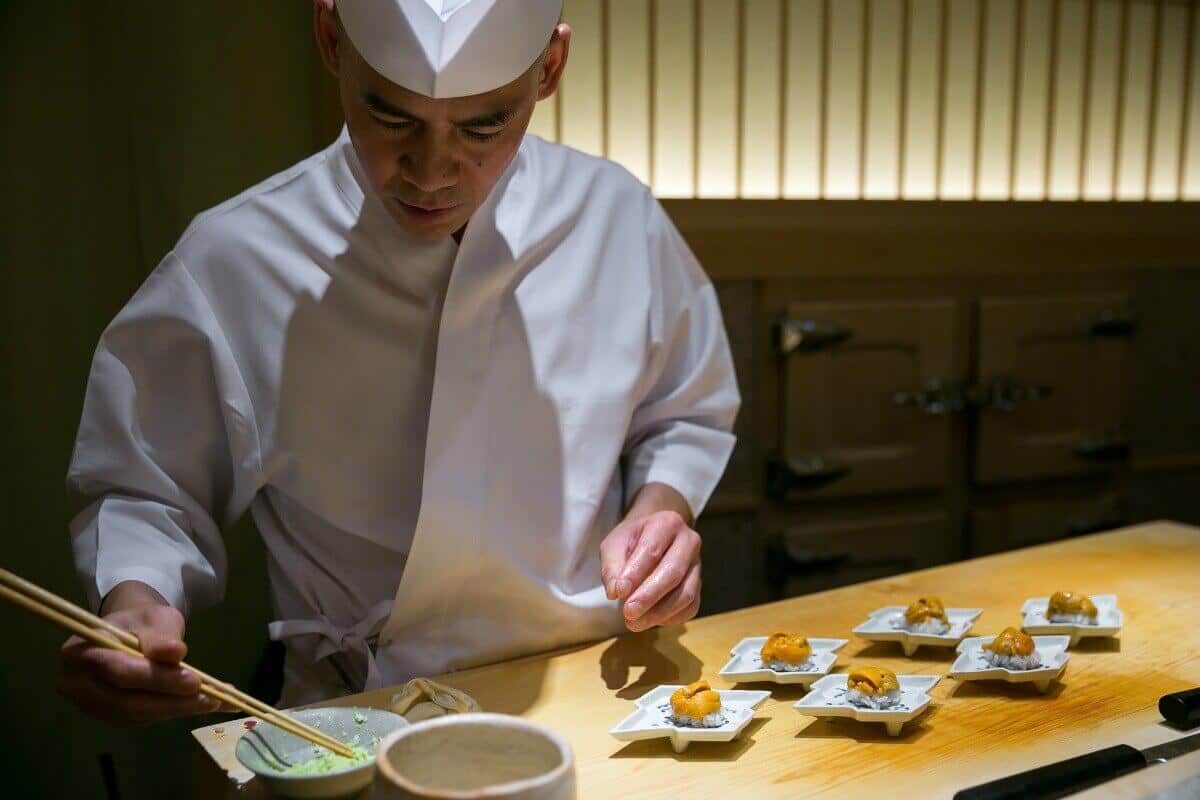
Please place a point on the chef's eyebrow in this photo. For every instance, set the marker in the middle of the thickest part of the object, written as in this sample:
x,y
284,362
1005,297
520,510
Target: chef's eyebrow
x,y
491,120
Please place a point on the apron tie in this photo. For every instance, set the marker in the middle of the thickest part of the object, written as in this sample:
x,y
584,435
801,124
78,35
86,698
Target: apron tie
x,y
335,640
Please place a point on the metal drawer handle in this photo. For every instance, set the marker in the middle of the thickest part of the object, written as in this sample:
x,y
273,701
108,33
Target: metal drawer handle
x,y
1105,449
1113,324
1004,394
936,399
807,335
801,473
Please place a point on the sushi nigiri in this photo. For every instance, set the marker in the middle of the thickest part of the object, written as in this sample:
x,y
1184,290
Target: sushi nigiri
x,y
927,615
697,706
1071,607
786,652
1012,649
872,687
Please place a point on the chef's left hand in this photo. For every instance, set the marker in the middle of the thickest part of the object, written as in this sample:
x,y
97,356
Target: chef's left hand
x,y
652,562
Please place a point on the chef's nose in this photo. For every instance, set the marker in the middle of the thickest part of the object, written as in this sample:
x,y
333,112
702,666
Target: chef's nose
x,y
431,165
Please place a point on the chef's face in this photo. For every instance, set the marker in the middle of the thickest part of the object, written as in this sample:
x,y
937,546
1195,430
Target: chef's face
x,y
433,162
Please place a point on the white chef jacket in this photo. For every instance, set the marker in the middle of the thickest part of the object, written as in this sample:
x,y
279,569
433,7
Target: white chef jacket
x,y
433,438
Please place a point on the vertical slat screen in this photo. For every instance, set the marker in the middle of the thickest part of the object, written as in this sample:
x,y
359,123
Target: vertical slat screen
x,y
582,101
1103,96
882,99
628,83
1189,168
881,165
1135,117
674,134
802,98
843,101
958,112
1033,98
1066,124
717,117
762,54
993,164
919,157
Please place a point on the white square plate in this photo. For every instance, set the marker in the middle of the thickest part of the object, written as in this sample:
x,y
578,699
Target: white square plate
x,y
971,666
652,718
828,699
746,662
1109,619
884,625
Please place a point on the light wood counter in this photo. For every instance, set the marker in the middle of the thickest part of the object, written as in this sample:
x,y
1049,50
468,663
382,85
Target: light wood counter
x,y
974,732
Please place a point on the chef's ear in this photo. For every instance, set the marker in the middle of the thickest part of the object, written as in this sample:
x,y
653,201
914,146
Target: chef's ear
x,y
554,60
327,28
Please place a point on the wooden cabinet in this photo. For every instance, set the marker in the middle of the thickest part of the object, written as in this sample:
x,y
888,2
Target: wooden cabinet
x,y
812,556
1052,378
1006,523
864,405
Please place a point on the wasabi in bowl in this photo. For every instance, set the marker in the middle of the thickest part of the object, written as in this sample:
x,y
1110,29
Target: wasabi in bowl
x,y
293,767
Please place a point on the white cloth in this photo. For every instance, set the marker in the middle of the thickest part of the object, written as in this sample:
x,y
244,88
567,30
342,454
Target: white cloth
x,y
282,358
450,48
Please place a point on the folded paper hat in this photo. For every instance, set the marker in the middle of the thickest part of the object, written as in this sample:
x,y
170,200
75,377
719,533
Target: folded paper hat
x,y
422,698
450,48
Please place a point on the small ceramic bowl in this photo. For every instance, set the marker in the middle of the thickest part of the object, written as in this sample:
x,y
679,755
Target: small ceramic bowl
x,y
473,757
267,751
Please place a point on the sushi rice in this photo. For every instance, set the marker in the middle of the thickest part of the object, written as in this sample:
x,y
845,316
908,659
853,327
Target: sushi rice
x,y
1005,661
878,702
713,720
787,666
1074,619
931,626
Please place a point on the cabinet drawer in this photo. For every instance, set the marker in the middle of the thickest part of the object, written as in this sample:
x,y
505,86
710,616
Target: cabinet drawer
x,y
856,381
810,558
734,563
1055,372
1035,520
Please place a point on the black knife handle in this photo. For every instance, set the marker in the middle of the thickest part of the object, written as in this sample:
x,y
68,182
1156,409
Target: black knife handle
x,y
1181,709
1061,778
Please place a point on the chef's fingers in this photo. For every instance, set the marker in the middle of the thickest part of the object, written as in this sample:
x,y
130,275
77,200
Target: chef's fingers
x,y
124,707
614,551
683,596
122,671
160,633
662,568
684,615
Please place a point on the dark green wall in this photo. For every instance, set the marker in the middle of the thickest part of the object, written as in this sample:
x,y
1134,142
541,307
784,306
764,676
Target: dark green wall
x,y
120,122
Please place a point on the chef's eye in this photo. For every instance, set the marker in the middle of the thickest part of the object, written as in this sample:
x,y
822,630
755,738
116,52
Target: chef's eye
x,y
483,134
394,125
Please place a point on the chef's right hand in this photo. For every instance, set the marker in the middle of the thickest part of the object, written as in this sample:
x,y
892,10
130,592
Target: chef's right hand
x,y
128,690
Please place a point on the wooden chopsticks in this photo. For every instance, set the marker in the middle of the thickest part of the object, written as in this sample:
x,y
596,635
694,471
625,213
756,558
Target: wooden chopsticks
x,y
88,626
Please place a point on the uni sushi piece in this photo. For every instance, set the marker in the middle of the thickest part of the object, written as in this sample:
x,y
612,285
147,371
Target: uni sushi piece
x,y
786,652
872,687
927,615
1071,607
1012,649
697,706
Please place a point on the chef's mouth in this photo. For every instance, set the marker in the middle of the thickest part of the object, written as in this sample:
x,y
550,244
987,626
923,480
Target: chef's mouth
x,y
425,214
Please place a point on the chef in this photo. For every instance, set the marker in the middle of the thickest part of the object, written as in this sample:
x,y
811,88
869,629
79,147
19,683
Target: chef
x,y
472,386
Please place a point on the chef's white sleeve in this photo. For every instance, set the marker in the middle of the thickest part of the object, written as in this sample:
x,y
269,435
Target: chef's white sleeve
x,y
167,451
679,433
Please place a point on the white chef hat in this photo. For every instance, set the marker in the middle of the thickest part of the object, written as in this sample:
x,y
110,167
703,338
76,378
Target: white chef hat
x,y
450,48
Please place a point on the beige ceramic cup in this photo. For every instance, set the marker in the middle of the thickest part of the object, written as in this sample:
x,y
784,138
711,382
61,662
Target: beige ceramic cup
x,y
474,757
